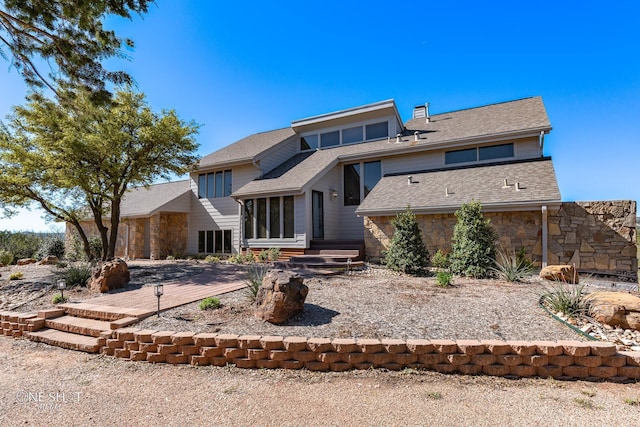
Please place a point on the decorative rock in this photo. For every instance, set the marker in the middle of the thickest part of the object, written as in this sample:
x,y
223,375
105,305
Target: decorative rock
x,y
280,297
616,309
49,260
110,275
26,261
561,273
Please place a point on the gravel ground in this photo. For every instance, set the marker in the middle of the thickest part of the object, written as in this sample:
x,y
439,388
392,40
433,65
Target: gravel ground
x,y
43,385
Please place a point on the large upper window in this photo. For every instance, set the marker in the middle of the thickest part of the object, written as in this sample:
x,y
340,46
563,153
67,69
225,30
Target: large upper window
x,y
269,218
357,186
493,152
350,135
215,184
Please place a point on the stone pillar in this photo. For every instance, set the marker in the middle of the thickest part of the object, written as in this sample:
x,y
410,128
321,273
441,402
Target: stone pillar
x,y
154,233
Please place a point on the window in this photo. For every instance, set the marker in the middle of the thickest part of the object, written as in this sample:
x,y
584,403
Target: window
x,y
309,142
460,156
493,152
353,179
214,241
278,224
496,152
330,139
248,219
377,130
215,184
351,135
352,184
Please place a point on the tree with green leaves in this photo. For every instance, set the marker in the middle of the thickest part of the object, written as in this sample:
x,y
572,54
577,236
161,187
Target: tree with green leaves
x,y
473,247
77,161
69,34
407,252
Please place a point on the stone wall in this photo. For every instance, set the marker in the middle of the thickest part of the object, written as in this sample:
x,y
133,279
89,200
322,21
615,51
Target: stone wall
x,y
562,359
169,234
596,236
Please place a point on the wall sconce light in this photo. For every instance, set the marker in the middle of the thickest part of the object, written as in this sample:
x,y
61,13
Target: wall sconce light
x,y
157,291
334,193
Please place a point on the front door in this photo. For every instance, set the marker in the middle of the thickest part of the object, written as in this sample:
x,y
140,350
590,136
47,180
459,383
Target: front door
x,y
317,208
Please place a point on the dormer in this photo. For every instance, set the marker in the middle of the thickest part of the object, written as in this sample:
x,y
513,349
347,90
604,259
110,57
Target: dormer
x,y
366,123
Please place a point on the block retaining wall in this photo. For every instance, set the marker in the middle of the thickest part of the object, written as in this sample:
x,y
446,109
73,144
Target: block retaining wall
x,y
592,361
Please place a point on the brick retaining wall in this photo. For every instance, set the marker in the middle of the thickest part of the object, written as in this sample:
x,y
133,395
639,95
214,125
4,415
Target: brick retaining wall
x,y
560,360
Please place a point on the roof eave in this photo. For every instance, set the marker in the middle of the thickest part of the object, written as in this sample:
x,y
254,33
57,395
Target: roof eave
x,y
488,207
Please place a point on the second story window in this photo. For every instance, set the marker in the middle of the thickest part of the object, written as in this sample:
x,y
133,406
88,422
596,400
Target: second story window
x,y
469,155
359,180
215,184
350,135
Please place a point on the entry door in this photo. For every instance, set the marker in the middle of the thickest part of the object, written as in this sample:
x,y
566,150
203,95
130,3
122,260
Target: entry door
x,y
317,208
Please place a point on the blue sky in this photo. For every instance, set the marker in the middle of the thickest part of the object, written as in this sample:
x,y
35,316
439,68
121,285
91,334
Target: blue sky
x,y
243,67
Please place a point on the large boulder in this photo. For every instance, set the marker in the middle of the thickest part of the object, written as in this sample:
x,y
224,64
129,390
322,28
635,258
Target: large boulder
x,y
48,260
615,309
26,261
560,273
280,297
109,275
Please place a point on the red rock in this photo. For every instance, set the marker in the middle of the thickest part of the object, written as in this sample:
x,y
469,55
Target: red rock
x,y
280,297
110,275
560,273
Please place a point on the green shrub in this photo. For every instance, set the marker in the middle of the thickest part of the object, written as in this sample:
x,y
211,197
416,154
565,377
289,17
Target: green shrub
x,y
443,279
263,256
76,275
274,254
209,303
212,259
170,258
565,298
6,257
511,267
521,257
16,276
51,246
440,259
407,252
58,299
255,273
473,249
20,244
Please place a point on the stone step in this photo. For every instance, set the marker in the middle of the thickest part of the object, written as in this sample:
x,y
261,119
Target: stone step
x,y
78,325
66,340
100,312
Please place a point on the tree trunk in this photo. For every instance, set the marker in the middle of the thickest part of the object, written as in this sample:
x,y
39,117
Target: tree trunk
x,y
115,223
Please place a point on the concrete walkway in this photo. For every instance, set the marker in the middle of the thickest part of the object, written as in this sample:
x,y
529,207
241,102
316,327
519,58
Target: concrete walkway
x,y
141,302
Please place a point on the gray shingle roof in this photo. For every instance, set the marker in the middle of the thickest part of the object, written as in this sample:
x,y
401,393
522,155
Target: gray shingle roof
x,y
447,190
525,115
144,201
246,149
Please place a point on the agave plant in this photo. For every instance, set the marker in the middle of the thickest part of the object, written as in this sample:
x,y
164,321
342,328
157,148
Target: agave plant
x,y
510,267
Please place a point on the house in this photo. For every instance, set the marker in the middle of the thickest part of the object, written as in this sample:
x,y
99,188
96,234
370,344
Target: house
x,y
344,175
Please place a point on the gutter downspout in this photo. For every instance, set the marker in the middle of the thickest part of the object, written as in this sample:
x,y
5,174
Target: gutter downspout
x,y
545,230
541,143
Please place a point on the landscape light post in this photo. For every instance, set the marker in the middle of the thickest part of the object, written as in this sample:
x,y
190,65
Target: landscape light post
x,y
157,291
61,286
348,265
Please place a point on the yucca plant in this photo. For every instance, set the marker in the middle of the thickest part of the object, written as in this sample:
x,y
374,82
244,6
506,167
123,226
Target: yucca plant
x,y
76,274
566,298
510,267
255,273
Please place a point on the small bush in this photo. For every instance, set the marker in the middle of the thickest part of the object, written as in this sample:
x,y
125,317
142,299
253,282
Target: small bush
x,y
522,258
274,254
51,246
6,257
170,258
212,259
568,299
16,276
440,259
256,273
263,256
407,252
209,303
511,267
443,279
58,299
76,275
473,250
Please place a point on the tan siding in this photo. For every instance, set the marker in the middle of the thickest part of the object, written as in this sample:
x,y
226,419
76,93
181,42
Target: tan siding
x,y
279,156
332,206
527,148
413,162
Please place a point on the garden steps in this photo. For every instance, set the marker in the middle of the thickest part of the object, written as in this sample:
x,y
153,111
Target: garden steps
x,y
78,325
102,312
67,340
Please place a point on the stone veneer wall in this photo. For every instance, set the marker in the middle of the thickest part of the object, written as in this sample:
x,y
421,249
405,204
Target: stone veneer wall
x,y
596,236
562,359
168,234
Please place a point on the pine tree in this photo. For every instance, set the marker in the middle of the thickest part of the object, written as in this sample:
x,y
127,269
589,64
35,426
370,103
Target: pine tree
x,y
407,252
473,246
